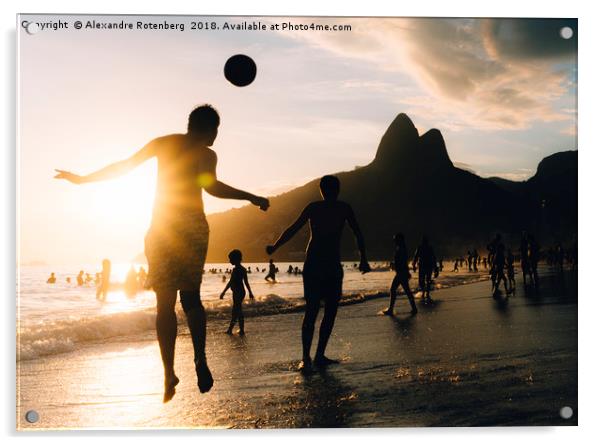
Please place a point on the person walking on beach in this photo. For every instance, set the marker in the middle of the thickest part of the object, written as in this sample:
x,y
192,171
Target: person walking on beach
x,y
176,243
272,269
427,266
322,270
402,276
499,263
238,281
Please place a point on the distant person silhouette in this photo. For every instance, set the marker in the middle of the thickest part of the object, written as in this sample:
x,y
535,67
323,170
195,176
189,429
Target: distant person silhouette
x,y
499,263
559,257
402,275
80,278
51,279
102,289
492,249
131,283
456,265
524,258
271,276
510,269
475,260
427,266
534,260
68,279
176,243
142,275
322,271
238,281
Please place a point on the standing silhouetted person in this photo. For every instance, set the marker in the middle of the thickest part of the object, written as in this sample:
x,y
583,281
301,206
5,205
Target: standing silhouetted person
x,y
80,278
102,288
499,263
322,270
238,281
427,265
176,243
534,260
524,258
271,276
510,269
51,279
402,275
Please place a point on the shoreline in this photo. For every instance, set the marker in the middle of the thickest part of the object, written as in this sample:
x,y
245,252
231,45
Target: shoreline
x,y
65,336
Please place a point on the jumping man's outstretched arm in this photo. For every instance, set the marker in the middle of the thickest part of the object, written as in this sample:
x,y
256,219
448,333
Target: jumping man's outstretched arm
x,y
291,231
224,191
113,170
364,266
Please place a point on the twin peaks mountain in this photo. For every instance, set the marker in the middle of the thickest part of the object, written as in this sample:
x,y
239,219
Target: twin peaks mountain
x,y
412,186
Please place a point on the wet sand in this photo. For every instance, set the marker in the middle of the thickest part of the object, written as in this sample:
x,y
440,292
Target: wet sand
x,y
467,360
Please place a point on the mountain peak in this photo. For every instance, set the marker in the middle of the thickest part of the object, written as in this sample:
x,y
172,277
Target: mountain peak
x,y
401,145
399,137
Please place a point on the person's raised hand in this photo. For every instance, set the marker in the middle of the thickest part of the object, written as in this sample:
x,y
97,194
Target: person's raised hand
x,y
270,249
364,266
71,177
262,203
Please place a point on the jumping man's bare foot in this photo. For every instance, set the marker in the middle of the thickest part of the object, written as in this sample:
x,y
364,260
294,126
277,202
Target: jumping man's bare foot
x,y
387,311
170,388
204,377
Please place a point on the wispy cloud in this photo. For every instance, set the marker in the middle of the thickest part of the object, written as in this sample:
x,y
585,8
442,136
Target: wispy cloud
x,y
489,73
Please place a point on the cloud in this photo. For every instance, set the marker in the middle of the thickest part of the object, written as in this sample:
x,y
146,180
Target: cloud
x,y
521,175
529,38
465,166
485,73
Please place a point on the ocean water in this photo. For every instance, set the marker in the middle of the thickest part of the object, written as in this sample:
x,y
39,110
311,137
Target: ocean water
x,y
57,318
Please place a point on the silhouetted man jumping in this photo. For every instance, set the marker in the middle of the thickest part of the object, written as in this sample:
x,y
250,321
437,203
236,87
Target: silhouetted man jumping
x,y
176,242
322,270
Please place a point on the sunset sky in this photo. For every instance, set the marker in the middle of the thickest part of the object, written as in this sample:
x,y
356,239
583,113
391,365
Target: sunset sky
x,y
503,93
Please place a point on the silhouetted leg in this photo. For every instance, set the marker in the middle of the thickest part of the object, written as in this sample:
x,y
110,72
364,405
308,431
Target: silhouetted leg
x,y
421,282
406,288
167,330
312,307
197,324
535,277
428,282
392,295
330,313
232,319
241,320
